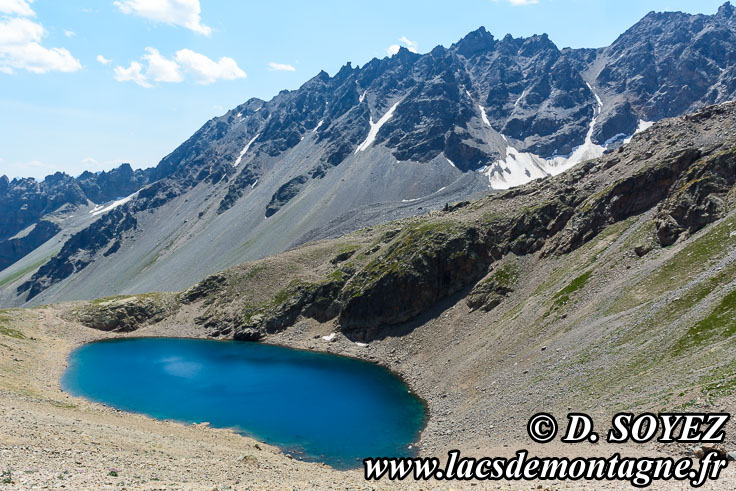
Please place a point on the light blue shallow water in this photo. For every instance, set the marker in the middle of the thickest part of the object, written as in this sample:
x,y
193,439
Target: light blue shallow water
x,y
317,406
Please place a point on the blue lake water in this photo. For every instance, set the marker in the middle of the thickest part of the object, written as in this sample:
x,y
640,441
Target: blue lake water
x,y
317,406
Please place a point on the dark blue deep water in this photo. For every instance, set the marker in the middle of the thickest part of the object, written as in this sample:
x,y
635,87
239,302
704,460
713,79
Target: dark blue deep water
x,y
316,406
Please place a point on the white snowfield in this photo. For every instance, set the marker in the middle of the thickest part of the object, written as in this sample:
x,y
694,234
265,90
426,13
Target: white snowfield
x,y
374,129
99,209
521,167
245,149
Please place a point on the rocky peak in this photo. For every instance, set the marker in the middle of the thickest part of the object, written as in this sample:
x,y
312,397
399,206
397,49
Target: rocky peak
x,y
477,41
537,44
726,11
346,71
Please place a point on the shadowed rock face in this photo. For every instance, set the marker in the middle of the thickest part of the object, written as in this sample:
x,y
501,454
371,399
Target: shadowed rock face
x,y
15,248
464,106
24,201
117,183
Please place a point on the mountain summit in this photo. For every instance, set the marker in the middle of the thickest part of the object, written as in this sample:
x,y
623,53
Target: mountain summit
x,y
396,137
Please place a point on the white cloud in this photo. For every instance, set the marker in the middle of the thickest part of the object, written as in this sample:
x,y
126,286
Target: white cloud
x,y
103,60
20,31
17,7
410,45
161,69
158,68
185,13
134,73
21,49
69,34
207,71
280,67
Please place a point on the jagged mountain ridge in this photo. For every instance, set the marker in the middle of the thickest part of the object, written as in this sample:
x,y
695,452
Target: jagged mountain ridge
x,y
392,138
33,212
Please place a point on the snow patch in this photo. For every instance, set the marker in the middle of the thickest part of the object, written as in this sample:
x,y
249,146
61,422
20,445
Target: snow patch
x,y
642,126
614,139
450,162
329,337
521,167
374,129
362,96
318,125
523,94
410,200
483,115
362,345
245,149
99,210
600,102
252,186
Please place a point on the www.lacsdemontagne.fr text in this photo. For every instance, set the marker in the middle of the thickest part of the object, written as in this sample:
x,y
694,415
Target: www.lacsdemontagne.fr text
x,y
639,472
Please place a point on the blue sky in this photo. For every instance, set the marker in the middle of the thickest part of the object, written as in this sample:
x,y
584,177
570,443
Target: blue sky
x,y
89,84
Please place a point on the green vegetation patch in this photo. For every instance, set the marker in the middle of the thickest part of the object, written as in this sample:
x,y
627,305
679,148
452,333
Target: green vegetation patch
x,y
683,305
585,256
506,276
719,382
12,333
18,274
721,321
6,330
562,297
682,267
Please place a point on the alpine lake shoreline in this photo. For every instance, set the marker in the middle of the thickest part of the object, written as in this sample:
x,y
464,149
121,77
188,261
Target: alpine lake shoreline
x,y
52,439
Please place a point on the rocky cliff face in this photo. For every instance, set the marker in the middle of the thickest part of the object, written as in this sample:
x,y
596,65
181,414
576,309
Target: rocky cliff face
x,y
24,201
393,138
30,204
677,178
667,64
114,184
